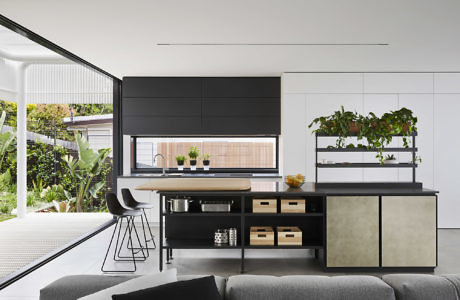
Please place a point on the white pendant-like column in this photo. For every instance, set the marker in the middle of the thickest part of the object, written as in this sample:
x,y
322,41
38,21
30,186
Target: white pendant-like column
x,y
21,145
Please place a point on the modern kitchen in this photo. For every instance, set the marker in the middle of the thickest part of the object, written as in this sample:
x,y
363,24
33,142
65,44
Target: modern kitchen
x,y
345,179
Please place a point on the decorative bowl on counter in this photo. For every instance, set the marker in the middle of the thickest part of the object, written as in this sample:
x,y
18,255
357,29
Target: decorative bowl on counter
x,y
295,181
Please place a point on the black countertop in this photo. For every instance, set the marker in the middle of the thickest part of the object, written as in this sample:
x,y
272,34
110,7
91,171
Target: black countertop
x,y
201,175
279,188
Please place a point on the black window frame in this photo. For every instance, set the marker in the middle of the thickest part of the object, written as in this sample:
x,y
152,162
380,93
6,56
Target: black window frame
x,y
135,170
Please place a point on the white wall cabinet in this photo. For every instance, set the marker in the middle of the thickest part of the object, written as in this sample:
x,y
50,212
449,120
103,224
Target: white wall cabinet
x,y
434,98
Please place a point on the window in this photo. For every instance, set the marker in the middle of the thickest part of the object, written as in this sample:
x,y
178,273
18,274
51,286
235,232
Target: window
x,y
235,154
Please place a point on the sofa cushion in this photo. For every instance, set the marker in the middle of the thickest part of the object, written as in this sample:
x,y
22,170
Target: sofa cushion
x,y
135,284
200,288
257,287
220,282
420,287
455,280
77,286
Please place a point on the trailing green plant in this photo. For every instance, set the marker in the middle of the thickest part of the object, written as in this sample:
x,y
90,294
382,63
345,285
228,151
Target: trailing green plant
x,y
182,158
337,124
89,165
378,132
193,153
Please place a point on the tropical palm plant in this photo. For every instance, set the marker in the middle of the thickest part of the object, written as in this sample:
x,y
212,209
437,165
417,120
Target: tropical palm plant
x,y
89,165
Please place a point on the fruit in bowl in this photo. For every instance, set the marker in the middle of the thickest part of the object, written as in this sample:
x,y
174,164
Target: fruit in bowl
x,y
295,181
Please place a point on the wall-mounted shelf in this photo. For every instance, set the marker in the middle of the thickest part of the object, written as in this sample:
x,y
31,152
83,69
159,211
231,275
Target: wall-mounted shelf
x,y
366,165
397,149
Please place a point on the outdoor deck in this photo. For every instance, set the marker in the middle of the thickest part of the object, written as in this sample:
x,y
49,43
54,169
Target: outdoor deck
x,y
23,241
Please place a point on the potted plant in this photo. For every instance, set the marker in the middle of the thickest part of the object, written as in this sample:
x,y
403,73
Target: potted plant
x,y
341,123
390,159
378,132
206,161
180,159
193,154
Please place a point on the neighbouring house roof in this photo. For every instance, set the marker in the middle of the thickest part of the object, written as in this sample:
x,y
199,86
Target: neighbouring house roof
x,y
89,120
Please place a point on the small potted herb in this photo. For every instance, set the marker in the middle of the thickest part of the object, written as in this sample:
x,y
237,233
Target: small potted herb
x,y
206,161
180,159
193,154
390,159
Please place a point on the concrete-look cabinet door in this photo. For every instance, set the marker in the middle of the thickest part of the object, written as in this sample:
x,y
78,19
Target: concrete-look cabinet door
x,y
352,231
409,231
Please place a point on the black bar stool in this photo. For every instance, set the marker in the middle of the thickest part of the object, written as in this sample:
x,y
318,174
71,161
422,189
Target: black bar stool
x,y
130,202
121,213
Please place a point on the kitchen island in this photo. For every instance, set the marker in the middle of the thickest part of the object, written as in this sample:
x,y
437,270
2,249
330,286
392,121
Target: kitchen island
x,y
349,228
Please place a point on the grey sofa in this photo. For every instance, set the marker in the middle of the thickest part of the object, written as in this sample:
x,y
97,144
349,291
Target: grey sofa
x,y
260,287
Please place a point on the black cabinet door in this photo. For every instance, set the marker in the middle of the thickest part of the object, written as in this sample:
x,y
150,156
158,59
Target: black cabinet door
x,y
161,116
242,116
183,87
242,87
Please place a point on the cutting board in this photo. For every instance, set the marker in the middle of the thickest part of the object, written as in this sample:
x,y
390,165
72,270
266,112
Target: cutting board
x,y
196,184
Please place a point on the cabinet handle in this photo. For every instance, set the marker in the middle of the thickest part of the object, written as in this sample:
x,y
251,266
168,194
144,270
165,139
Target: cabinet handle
x,y
264,203
293,203
261,235
289,235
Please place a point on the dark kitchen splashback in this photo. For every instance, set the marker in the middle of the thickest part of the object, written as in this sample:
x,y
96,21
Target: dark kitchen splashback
x,y
201,106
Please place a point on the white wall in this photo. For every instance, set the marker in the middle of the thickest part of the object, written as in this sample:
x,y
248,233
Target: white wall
x,y
434,98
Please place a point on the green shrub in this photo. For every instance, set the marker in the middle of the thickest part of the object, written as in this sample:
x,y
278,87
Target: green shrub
x,y
54,192
7,202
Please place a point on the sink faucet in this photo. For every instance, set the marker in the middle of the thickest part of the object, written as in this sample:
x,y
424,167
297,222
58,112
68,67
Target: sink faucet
x,y
164,162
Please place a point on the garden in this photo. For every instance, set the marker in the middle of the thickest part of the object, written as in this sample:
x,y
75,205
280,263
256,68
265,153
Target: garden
x,y
58,179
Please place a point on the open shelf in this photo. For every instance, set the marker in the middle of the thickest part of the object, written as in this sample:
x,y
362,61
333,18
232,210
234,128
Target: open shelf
x,y
412,150
366,165
306,245
284,214
196,244
394,149
356,134
202,214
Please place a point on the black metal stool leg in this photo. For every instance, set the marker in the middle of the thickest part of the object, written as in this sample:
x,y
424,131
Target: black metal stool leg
x,y
130,241
110,244
119,223
139,249
150,231
139,240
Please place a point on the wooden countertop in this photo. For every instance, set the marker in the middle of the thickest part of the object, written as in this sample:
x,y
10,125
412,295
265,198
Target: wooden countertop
x,y
197,184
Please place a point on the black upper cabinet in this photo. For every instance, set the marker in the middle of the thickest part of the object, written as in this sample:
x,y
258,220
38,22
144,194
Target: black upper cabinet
x,y
201,106
242,87
165,87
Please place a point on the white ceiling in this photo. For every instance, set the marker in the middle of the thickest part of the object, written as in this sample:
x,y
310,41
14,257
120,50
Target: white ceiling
x,y
15,46
121,36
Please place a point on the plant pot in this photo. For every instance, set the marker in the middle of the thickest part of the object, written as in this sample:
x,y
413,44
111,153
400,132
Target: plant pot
x,y
180,165
206,163
406,127
354,127
193,164
390,161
